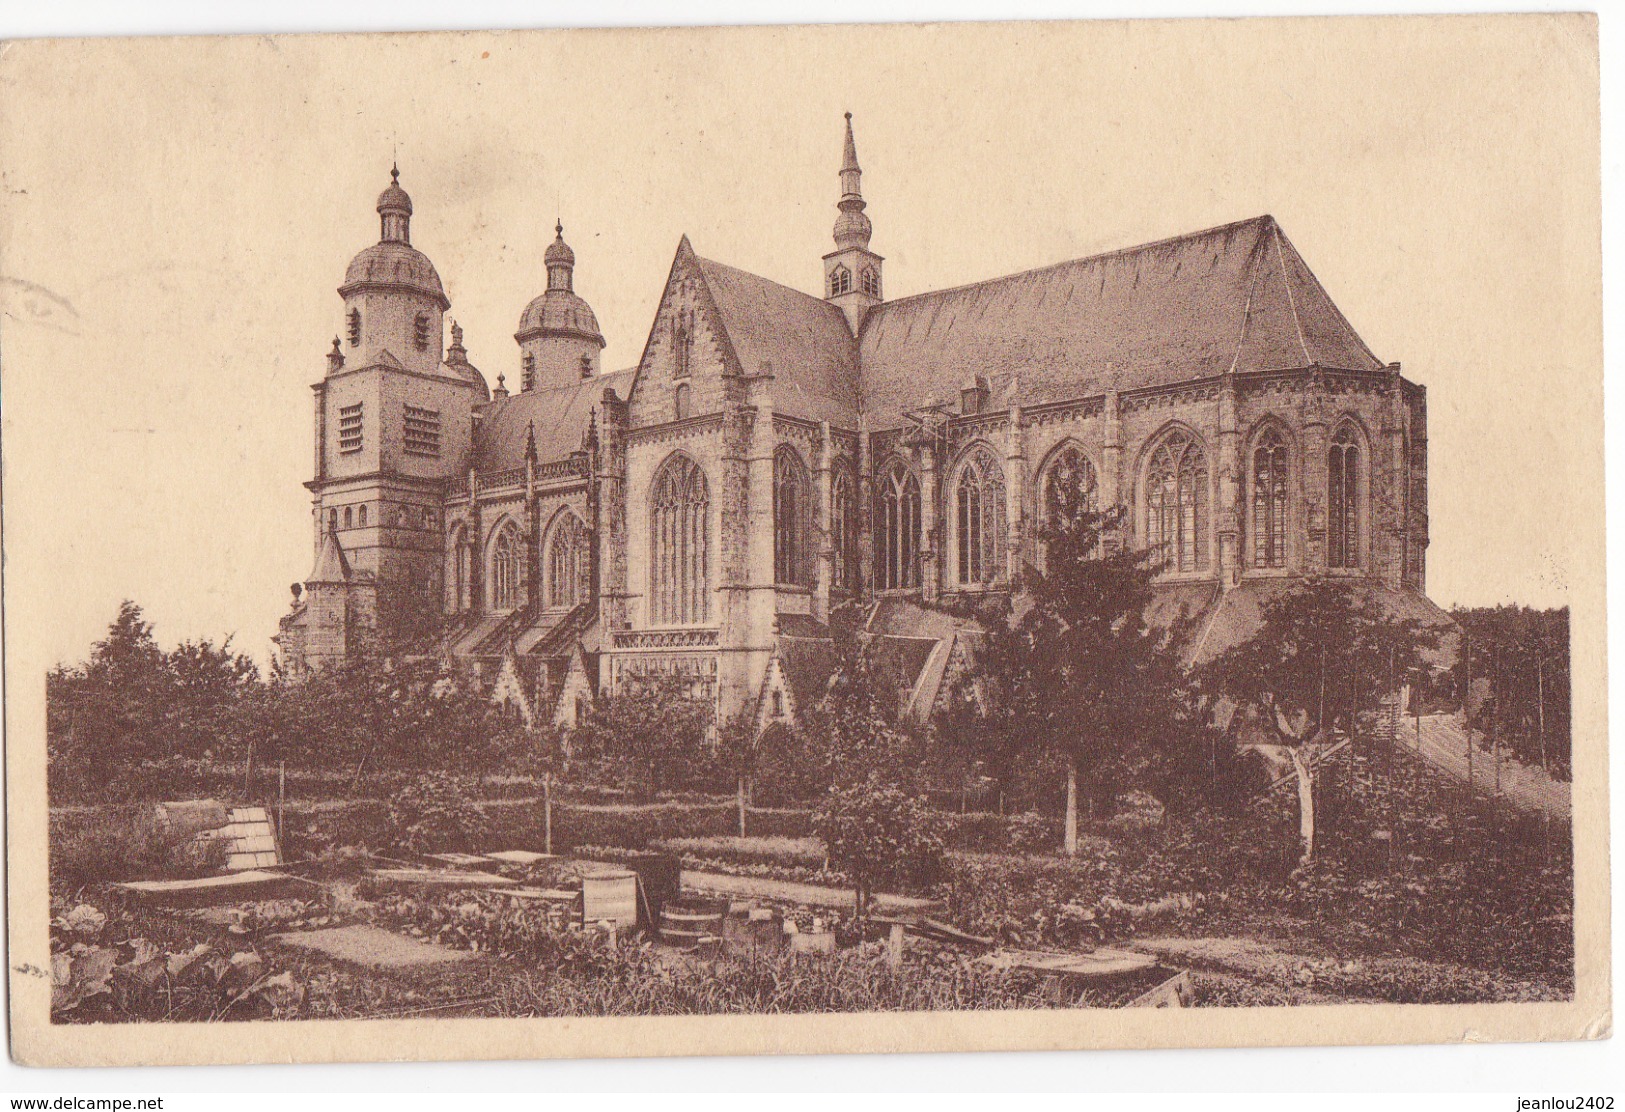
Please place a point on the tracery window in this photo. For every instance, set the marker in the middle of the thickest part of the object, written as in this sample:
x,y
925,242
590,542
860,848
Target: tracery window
x,y
1176,503
1269,511
840,280
1069,470
507,565
566,562
897,528
792,520
679,573
870,281
979,517
843,529
1068,484
1343,500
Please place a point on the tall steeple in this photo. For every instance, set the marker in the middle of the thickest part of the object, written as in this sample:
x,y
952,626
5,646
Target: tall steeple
x,y
852,271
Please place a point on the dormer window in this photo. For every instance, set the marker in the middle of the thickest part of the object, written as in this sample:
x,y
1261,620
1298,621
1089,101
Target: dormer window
x,y
527,379
420,331
871,281
973,397
840,281
355,327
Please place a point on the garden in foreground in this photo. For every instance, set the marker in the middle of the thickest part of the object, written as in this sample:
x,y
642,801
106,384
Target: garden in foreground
x,y
1251,821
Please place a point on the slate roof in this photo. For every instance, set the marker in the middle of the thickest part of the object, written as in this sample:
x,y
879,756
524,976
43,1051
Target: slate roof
x,y
1237,614
1233,298
331,565
560,415
805,340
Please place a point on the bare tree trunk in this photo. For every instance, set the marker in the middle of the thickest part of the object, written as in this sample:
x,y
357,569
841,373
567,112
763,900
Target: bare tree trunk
x,y
1302,764
547,814
741,805
1071,842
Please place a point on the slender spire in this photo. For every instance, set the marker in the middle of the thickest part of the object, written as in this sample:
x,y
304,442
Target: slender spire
x,y
852,227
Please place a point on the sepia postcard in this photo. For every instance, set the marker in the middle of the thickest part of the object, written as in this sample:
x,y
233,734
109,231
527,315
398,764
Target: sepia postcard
x,y
776,540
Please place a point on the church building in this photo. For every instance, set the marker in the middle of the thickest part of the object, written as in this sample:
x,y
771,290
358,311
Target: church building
x,y
773,454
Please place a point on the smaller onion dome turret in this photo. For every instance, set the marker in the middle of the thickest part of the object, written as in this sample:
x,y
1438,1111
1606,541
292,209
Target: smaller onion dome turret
x,y
559,311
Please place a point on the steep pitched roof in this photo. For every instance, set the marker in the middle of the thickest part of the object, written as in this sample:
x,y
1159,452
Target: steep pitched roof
x,y
331,566
804,340
560,416
1237,297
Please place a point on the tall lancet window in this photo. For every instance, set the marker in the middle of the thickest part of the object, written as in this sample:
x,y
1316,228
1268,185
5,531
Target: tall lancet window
x,y
566,562
1176,503
1269,500
840,280
871,281
792,520
507,567
1343,500
897,528
679,526
979,517
843,529
1069,484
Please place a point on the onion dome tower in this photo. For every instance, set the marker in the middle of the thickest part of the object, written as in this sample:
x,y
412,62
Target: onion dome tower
x,y
559,340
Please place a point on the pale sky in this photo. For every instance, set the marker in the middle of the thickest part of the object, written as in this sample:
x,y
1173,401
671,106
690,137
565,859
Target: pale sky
x,y
178,214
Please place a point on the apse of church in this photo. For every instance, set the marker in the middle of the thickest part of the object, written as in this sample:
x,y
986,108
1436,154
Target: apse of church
x,y
773,454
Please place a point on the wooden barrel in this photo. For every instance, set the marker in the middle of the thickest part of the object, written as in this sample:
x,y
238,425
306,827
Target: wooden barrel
x,y
688,922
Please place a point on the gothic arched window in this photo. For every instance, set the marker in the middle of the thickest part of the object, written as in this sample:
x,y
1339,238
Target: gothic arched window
x,y
979,517
840,280
870,281
792,519
457,584
1343,500
1068,485
679,402
507,567
361,516
897,528
679,526
1176,503
843,529
332,519
1069,470
1269,509
349,516
565,558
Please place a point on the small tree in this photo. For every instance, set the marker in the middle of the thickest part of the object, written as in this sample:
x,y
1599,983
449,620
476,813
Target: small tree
x,y
652,735
878,834
1323,655
1071,673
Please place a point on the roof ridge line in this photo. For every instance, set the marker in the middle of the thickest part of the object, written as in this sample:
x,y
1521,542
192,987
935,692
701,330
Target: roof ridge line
x,y
1246,319
1292,302
769,281
1348,325
1099,257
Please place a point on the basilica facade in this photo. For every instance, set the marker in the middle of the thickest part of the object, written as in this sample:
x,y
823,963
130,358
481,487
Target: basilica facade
x,y
773,455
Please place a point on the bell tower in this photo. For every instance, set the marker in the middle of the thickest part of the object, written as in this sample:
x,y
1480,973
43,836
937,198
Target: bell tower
x,y
852,271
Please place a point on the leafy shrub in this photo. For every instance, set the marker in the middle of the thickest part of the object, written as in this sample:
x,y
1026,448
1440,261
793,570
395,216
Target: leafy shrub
x,y
878,834
1030,832
436,814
